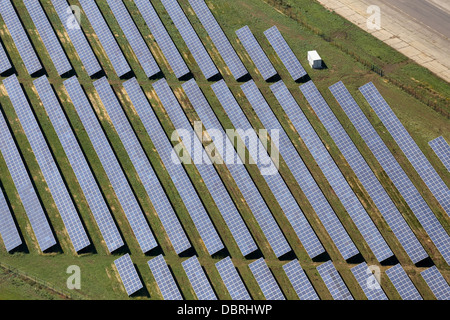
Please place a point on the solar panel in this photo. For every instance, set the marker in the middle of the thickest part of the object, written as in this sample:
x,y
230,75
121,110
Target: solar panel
x,y
285,53
143,167
105,37
409,147
442,150
77,37
368,179
47,164
198,279
266,280
191,38
403,283
8,229
337,180
79,165
5,65
401,181
368,282
207,171
219,38
333,281
128,274
48,36
299,281
112,167
19,36
256,53
181,180
134,37
299,170
164,279
437,283
238,171
232,280
163,39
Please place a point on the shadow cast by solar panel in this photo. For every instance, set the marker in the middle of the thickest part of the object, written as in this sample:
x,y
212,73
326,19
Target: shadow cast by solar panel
x,y
98,75
143,292
274,78
188,253
255,255
39,73
222,253
9,72
323,257
188,76
215,78
157,76
356,259
303,79
127,76
155,251
391,261
288,256
425,263
69,74
245,78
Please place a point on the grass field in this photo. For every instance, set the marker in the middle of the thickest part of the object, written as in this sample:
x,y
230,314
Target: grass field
x,y
99,278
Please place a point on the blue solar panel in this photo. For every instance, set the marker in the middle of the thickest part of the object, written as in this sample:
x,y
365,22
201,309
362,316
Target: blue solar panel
x,y
219,38
143,167
5,65
403,283
191,38
164,279
401,181
163,39
232,280
134,37
337,180
181,180
240,175
299,281
285,53
409,147
198,279
128,274
112,167
79,165
281,192
266,280
368,282
21,41
256,53
334,282
47,164
207,171
48,36
442,150
8,229
105,37
437,283
77,37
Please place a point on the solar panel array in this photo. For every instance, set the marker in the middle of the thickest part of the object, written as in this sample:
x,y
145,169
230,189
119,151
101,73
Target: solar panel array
x,y
5,65
232,280
409,147
47,164
207,171
240,175
133,36
128,274
163,38
285,53
256,53
48,36
219,38
403,283
77,37
333,281
181,180
368,282
337,180
368,179
112,167
266,280
300,281
274,180
401,181
143,167
8,229
79,165
442,150
437,283
25,189
20,38
164,278
198,279
105,37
